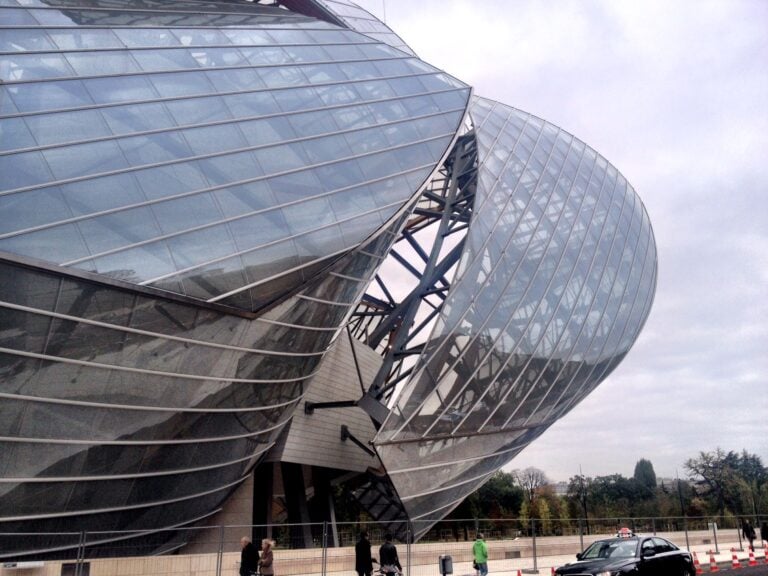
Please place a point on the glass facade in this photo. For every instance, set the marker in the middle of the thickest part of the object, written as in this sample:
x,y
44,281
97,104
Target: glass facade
x,y
556,279
222,163
194,197
130,410
356,18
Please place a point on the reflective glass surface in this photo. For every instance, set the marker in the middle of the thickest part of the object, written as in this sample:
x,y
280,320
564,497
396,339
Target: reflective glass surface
x,y
126,410
143,132
555,281
194,197
363,21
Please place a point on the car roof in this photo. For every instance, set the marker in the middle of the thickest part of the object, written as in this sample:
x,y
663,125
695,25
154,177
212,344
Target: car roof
x,y
620,539
633,538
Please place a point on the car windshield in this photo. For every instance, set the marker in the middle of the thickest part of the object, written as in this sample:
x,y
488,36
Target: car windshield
x,y
624,548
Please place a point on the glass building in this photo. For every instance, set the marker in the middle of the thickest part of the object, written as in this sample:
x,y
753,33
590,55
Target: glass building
x,y
200,202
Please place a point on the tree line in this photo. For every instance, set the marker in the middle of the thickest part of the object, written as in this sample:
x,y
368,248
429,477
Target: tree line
x,y
716,483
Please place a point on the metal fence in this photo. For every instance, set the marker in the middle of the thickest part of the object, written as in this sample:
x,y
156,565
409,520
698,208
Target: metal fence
x,y
326,549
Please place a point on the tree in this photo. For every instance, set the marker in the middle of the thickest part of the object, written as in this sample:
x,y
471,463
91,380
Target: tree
x,y
530,480
545,515
499,497
712,475
614,496
524,516
751,468
729,481
755,477
645,476
578,496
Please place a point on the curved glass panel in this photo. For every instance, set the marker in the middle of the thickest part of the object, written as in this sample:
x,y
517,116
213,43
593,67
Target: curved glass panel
x,y
195,197
555,281
116,403
142,135
361,20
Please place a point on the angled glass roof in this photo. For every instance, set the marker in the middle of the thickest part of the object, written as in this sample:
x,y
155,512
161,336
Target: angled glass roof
x,y
142,143
363,21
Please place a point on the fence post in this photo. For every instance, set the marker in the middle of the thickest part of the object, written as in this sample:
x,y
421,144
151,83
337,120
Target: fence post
x,y
714,531
219,555
685,527
408,538
653,526
533,531
80,554
324,544
581,536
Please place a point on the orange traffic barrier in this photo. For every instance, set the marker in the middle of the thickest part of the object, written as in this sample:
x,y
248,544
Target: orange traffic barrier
x,y
734,560
713,567
553,571
752,561
697,564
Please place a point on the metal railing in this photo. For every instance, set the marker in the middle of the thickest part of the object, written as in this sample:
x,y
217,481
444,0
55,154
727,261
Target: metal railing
x,y
533,545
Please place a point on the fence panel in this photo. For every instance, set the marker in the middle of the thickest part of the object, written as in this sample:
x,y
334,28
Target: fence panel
x,y
321,549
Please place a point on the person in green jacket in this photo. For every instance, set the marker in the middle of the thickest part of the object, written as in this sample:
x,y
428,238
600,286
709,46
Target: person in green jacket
x,y
480,552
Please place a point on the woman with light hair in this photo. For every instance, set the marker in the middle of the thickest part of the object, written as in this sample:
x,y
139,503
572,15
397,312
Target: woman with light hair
x,y
266,564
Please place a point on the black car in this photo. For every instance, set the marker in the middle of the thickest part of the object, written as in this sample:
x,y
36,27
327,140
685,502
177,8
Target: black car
x,y
639,555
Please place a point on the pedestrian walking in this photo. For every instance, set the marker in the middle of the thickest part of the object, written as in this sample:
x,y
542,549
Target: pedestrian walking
x,y
363,560
480,555
266,565
749,533
390,563
249,557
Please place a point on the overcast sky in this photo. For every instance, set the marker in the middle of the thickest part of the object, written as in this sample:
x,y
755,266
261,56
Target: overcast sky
x,y
675,94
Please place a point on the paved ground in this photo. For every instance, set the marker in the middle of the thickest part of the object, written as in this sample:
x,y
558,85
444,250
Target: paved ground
x,y
724,569
754,571
744,569
545,564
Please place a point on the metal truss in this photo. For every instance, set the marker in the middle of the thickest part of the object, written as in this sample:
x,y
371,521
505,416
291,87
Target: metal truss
x,y
401,305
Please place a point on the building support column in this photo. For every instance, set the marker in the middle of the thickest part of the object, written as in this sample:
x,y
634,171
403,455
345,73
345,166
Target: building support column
x,y
263,495
323,502
296,502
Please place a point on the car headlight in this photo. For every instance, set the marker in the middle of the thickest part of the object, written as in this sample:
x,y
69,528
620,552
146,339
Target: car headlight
x,y
606,573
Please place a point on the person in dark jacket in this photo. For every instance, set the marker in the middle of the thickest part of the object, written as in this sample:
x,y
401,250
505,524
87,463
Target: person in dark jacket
x,y
363,560
764,534
390,563
249,557
749,533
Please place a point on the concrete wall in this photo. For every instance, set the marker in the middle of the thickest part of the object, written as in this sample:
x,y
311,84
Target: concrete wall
x,y
237,511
